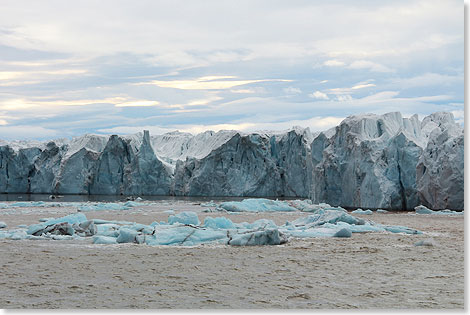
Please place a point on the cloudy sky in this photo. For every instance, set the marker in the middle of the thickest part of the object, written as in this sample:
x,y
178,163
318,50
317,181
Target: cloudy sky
x,y
74,67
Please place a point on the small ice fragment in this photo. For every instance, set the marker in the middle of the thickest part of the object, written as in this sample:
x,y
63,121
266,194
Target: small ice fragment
x,y
360,211
381,211
426,242
186,217
126,236
45,219
343,233
3,225
256,205
423,210
266,237
99,239
218,223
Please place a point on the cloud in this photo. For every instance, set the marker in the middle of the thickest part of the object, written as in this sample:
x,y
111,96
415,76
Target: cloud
x,y
292,90
21,132
314,123
319,95
206,83
333,63
137,104
180,65
372,66
358,86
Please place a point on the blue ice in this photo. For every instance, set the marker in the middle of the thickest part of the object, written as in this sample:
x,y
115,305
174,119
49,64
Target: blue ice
x,y
256,205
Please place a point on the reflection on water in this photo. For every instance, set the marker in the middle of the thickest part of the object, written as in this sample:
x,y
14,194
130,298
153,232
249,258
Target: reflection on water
x,y
112,198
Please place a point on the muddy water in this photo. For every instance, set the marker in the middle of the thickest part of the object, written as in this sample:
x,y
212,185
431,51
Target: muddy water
x,y
370,270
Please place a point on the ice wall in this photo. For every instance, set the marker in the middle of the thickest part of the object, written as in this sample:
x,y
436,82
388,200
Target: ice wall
x,y
370,161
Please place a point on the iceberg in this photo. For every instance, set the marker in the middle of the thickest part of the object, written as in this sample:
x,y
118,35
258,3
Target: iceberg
x,y
423,210
76,218
126,235
256,205
360,211
218,223
265,237
185,229
3,225
100,239
186,217
344,232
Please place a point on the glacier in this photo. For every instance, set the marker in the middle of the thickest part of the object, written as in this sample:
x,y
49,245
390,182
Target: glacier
x,y
368,161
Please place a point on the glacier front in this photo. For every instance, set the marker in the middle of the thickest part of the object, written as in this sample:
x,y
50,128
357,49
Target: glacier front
x,y
369,161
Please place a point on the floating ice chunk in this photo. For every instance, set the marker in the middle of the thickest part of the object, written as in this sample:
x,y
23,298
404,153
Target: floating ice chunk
x,y
367,227
132,204
400,229
360,211
426,242
126,235
256,205
218,223
104,206
18,235
61,237
344,232
308,206
101,221
45,219
327,216
186,217
265,237
146,229
25,204
209,204
258,224
423,210
23,226
381,211
185,235
4,206
169,211
71,219
3,225
311,232
87,228
100,239
111,230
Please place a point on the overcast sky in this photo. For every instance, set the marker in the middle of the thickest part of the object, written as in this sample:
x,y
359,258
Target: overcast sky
x,y
74,67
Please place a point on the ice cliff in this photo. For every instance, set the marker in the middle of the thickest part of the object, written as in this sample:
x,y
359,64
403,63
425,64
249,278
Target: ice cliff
x,y
370,161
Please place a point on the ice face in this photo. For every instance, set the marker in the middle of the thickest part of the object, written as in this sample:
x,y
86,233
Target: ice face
x,y
369,161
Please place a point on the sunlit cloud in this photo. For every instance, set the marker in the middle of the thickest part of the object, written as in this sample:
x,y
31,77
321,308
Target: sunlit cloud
x,y
319,95
333,63
206,83
292,90
20,104
362,86
137,104
372,66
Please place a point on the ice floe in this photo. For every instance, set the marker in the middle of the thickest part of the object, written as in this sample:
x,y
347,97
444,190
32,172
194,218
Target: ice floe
x,y
256,205
185,229
424,210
